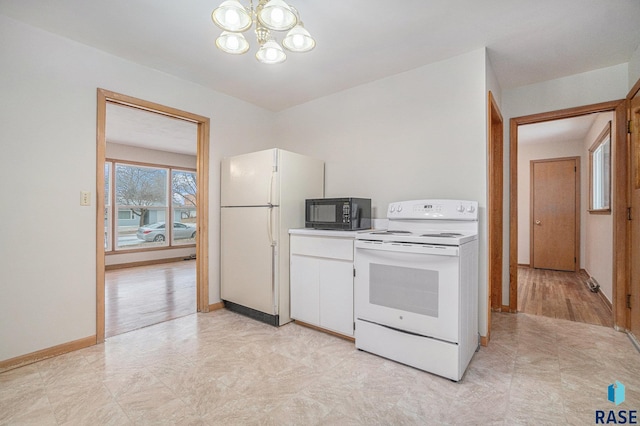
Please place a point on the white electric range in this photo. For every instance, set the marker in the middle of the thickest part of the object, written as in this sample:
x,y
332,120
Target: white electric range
x,y
416,286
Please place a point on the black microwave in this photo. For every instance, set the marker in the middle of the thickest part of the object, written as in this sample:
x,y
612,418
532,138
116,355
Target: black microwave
x,y
347,214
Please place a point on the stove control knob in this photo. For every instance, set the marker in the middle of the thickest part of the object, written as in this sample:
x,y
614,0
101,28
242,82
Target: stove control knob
x,y
392,208
460,209
400,208
471,209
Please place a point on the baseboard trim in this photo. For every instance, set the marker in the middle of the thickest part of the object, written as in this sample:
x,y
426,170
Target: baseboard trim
x,y
605,300
145,263
634,341
484,341
507,308
324,330
503,308
216,306
40,355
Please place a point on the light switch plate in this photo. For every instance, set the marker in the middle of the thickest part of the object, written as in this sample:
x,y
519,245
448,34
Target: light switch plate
x,y
85,198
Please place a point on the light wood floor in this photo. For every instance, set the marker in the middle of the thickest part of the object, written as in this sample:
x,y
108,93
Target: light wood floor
x,y
146,295
558,294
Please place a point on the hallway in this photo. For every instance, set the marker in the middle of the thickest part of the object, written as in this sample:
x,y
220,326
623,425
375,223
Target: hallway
x,y
562,295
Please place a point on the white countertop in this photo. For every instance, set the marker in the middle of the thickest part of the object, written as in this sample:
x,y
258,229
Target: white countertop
x,y
325,232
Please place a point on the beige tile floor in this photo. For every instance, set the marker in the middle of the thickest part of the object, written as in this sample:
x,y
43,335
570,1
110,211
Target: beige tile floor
x,y
224,369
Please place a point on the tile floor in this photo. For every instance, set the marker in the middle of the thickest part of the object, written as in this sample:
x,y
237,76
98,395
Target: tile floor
x,y
225,369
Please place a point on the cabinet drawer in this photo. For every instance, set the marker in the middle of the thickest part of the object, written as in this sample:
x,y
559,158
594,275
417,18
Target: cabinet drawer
x,y
331,248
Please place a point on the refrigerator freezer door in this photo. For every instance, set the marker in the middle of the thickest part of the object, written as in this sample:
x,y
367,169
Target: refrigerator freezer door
x,y
247,257
249,179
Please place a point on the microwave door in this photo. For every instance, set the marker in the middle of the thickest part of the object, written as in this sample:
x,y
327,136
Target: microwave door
x,y
322,213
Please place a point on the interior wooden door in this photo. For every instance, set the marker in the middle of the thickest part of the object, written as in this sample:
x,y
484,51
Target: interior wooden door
x,y
555,227
634,116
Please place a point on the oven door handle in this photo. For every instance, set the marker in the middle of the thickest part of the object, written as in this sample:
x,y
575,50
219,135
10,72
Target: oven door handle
x,y
408,248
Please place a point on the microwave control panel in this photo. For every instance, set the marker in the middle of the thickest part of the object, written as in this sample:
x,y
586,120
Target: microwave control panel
x,y
346,213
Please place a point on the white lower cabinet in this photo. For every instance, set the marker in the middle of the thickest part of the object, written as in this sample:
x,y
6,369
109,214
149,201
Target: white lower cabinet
x,y
322,281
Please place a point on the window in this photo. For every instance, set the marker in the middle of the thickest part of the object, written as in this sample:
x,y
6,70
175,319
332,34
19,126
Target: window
x,y
140,194
141,199
600,173
183,200
107,206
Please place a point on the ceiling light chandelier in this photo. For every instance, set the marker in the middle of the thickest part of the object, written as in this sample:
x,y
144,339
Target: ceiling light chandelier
x,y
268,15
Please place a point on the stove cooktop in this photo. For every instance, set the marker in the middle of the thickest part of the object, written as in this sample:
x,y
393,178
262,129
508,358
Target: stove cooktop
x,y
437,222
435,237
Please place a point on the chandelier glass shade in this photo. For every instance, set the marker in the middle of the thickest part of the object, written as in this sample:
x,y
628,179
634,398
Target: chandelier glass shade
x,y
267,16
233,43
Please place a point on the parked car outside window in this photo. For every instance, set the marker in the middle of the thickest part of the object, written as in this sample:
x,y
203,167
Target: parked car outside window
x,y
156,231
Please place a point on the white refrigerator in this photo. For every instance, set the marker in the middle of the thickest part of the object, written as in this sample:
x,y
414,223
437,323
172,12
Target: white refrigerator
x,y
262,196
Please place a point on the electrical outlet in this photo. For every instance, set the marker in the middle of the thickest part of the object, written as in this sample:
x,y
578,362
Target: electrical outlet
x,y
85,198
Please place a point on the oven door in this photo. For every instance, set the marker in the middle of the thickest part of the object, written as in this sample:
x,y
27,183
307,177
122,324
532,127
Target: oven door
x,y
409,287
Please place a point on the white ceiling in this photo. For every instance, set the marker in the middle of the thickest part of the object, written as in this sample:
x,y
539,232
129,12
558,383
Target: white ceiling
x,y
358,41
567,129
144,129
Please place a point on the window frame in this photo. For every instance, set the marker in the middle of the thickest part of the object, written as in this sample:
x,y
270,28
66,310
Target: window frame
x,y
600,171
112,247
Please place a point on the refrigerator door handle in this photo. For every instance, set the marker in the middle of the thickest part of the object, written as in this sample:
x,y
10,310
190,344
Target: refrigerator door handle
x,y
273,250
273,280
271,190
270,226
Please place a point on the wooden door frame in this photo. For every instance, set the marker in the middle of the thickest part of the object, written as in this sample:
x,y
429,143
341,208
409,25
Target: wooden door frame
x,y
495,125
202,196
620,191
576,247
635,90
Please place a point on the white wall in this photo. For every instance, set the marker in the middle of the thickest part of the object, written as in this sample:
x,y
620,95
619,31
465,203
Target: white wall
x,y
48,133
587,88
598,248
151,156
634,68
419,134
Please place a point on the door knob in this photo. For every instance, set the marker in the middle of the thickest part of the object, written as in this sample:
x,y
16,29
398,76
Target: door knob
x,y
538,222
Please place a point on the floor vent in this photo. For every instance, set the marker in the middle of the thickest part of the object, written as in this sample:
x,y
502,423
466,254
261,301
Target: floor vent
x,y
593,285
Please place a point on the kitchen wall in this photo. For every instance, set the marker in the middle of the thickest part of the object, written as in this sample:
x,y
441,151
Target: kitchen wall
x,y
418,134
587,88
150,156
48,134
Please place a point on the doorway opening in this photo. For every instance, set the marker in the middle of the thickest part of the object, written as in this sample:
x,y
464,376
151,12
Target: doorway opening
x,y
113,228
523,297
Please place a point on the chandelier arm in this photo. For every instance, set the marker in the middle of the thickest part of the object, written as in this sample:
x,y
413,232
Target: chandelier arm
x,y
297,13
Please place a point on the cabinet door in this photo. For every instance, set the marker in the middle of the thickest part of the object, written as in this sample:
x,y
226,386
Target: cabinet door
x,y
336,295
305,281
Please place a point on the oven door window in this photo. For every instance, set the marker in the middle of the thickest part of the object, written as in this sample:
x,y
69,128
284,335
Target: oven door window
x,y
414,292
406,289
